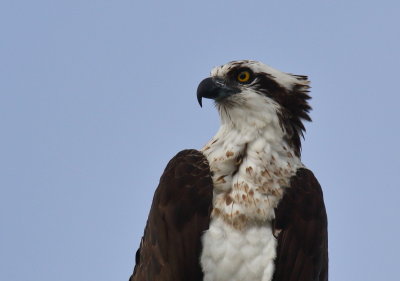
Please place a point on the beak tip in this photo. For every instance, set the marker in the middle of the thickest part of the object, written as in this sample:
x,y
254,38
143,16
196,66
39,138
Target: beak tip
x,y
199,99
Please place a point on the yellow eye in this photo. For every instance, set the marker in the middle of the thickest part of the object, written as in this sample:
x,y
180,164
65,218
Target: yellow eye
x,y
243,76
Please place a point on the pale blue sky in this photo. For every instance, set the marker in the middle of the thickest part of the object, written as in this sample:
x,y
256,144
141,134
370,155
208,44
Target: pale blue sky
x,y
97,96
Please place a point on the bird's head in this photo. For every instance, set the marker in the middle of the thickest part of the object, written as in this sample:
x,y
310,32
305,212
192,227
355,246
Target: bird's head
x,y
251,93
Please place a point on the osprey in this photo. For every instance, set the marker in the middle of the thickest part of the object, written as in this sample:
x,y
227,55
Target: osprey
x,y
244,207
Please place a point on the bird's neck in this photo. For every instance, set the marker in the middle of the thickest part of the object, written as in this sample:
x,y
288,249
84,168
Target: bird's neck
x,y
251,165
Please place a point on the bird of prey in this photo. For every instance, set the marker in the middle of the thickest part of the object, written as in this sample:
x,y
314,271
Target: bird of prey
x,y
244,207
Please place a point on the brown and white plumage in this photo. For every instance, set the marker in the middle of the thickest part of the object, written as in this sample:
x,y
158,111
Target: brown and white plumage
x,y
245,207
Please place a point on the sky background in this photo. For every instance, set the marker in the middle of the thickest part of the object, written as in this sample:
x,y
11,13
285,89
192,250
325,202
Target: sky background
x,y
97,96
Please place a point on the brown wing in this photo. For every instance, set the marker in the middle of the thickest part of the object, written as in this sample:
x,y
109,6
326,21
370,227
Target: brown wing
x,y
302,253
180,213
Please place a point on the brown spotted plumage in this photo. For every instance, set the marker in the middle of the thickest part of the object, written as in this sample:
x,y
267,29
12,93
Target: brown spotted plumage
x,y
180,213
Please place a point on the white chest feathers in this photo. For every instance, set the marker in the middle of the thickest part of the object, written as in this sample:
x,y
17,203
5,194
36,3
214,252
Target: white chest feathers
x,y
251,169
238,255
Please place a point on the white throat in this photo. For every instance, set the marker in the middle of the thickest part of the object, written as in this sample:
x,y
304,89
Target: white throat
x,y
250,161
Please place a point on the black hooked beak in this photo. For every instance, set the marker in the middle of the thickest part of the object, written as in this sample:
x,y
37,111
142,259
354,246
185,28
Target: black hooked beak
x,y
213,88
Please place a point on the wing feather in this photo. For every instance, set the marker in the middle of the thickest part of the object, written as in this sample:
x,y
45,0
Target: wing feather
x,y
180,213
302,253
